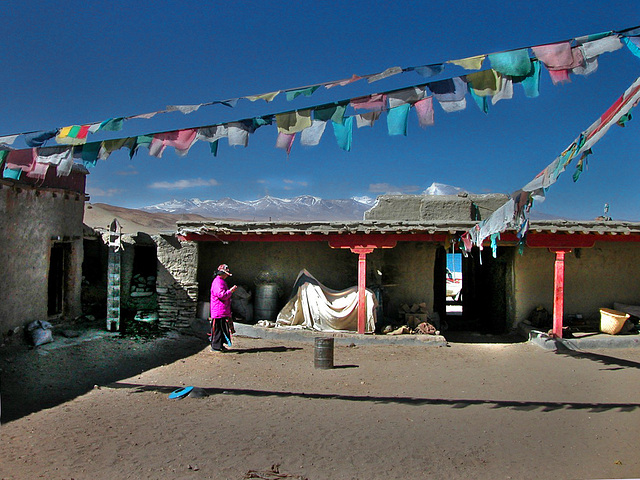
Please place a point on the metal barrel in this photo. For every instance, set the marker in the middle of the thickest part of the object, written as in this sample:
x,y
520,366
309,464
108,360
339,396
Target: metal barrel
x,y
265,306
323,353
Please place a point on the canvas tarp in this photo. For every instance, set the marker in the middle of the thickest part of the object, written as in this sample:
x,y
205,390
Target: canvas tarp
x,y
316,307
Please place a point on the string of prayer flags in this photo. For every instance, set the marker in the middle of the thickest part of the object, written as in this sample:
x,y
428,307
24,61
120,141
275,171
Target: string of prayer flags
x,y
512,214
578,56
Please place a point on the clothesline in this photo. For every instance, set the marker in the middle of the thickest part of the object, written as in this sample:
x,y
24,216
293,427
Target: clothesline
x,y
39,138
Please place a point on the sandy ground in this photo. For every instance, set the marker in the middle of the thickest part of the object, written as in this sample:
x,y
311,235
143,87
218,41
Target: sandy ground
x,y
385,412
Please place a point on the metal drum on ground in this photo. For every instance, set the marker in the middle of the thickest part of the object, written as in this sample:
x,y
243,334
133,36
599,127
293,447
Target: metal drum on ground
x,y
323,353
265,306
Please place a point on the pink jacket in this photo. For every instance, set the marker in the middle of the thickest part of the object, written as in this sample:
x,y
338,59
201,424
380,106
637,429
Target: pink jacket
x,y
220,298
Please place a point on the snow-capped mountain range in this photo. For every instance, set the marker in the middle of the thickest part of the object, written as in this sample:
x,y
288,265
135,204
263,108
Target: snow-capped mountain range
x,y
302,208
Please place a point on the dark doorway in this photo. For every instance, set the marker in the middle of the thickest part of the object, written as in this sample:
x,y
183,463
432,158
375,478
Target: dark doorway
x,y
58,277
484,294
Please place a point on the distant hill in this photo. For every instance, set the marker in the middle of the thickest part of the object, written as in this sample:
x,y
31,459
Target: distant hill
x,y
100,215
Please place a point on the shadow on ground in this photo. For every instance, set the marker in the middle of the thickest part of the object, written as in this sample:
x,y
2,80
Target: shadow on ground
x,y
457,403
35,379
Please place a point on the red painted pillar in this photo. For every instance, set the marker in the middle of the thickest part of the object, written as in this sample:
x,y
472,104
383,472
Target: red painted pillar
x,y
558,288
362,286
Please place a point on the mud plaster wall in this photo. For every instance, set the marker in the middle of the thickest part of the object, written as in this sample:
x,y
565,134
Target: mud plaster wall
x,y
407,269
602,275
407,276
29,220
434,207
335,268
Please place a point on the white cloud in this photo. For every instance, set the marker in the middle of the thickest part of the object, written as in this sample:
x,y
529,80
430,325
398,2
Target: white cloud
x,y
295,183
99,192
392,189
189,183
131,171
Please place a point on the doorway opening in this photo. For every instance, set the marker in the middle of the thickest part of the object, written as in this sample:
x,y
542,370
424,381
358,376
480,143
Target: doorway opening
x,y
58,278
472,293
453,283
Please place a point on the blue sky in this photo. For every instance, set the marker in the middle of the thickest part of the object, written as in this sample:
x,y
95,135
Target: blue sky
x,y
80,62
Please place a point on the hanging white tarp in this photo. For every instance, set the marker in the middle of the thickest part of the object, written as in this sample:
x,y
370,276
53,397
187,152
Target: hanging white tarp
x,y
316,307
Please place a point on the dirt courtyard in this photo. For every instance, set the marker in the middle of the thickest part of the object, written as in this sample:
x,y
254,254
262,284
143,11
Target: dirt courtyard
x,y
385,412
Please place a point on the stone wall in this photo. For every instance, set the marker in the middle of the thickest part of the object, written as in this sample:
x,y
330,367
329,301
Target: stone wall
x,y
594,278
31,220
176,286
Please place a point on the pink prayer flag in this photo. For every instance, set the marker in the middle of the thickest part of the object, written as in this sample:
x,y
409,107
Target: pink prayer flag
x,y
424,110
559,76
181,140
342,83
285,141
373,103
559,56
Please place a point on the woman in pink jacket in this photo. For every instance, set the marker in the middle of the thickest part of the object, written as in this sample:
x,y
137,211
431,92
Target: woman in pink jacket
x,y
221,309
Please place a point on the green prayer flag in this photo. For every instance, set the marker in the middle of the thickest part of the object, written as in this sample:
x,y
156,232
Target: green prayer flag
x,y
112,125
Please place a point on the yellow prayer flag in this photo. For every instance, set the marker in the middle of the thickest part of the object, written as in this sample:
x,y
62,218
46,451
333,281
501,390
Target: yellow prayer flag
x,y
293,122
470,63
267,97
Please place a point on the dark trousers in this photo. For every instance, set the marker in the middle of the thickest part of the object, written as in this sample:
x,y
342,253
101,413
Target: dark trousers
x,y
220,333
